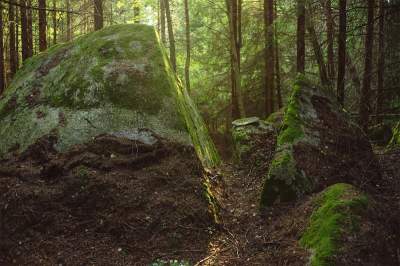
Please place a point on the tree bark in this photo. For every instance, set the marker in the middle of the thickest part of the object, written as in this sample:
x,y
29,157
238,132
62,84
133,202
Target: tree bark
x,y
366,88
162,21
24,30
342,50
98,15
2,76
301,39
12,40
319,56
42,25
277,66
188,45
172,53
136,12
69,21
381,58
54,17
269,56
330,32
238,109
17,18
30,28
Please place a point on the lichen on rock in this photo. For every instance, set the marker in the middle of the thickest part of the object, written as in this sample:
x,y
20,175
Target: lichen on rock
x,y
114,80
338,211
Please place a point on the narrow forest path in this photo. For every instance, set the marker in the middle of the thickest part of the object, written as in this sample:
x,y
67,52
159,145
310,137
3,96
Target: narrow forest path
x,y
271,238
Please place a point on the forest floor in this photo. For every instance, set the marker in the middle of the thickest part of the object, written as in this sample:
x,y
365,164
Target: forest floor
x,y
99,205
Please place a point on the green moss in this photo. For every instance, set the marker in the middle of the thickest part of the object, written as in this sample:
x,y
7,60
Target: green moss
x,y
211,200
284,180
338,213
292,124
395,140
116,79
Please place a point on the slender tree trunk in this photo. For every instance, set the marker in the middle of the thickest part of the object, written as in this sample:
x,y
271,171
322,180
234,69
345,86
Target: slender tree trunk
x,y
24,30
54,17
238,109
162,21
366,88
342,50
12,40
330,32
269,56
98,15
278,67
188,45
381,59
69,21
301,38
29,28
319,56
172,53
136,12
17,18
2,76
42,26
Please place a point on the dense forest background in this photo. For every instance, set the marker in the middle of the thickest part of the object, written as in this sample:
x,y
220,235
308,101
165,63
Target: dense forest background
x,y
238,58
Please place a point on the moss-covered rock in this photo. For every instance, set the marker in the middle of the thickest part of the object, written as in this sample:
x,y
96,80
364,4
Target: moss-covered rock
x,y
337,214
246,135
117,80
318,145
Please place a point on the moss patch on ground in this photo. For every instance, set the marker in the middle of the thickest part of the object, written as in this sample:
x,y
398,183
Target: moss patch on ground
x,y
338,213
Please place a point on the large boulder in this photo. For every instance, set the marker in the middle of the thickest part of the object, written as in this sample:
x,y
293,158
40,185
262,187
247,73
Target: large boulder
x,y
318,146
115,81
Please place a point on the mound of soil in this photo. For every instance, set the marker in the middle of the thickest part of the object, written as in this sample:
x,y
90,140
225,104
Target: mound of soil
x,y
112,201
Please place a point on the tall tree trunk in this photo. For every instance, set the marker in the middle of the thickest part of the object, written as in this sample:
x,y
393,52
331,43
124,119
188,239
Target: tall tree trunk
x,y
366,88
29,27
188,45
24,30
2,76
278,70
69,21
381,58
136,12
330,32
238,109
54,17
12,40
269,56
98,14
172,53
162,21
42,25
319,56
301,38
17,19
342,50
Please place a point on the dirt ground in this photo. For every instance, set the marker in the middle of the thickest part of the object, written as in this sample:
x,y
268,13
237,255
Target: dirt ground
x,y
118,202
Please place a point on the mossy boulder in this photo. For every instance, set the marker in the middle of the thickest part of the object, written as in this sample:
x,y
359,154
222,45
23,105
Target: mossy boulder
x,y
114,81
248,135
338,212
318,145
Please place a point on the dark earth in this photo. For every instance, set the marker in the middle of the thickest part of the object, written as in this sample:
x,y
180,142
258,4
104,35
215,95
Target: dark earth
x,y
114,201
